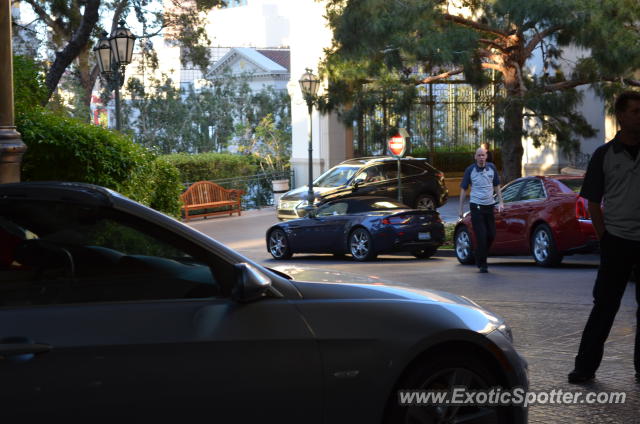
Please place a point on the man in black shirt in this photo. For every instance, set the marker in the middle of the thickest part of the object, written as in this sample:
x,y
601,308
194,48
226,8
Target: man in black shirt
x,y
613,179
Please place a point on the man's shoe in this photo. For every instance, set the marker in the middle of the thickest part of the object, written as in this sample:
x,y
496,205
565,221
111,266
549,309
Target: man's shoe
x,y
483,270
577,377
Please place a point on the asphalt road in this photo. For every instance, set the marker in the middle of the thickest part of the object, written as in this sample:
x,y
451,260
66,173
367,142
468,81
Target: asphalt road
x,y
547,308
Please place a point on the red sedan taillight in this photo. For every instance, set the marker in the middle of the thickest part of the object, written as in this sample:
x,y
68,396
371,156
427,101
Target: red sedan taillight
x,y
582,212
397,220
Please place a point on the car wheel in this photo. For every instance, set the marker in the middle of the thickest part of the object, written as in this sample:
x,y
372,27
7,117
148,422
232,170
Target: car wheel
x,y
425,253
279,245
425,201
543,247
463,247
361,245
445,375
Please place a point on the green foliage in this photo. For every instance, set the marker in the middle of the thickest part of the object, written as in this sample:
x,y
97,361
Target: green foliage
x,y
28,83
65,149
526,48
271,145
207,120
211,166
447,161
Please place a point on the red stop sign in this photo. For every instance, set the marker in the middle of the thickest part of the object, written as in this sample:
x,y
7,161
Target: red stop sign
x,y
397,145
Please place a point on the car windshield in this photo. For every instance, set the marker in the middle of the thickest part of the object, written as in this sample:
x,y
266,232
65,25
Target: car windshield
x,y
336,177
575,184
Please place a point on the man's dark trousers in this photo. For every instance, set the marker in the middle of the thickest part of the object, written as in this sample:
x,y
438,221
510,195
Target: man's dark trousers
x,y
616,260
484,227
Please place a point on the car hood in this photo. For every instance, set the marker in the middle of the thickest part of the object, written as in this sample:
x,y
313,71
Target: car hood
x,y
332,297
316,283
300,193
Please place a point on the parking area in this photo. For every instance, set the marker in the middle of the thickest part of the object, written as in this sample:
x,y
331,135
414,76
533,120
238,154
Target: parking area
x,y
547,309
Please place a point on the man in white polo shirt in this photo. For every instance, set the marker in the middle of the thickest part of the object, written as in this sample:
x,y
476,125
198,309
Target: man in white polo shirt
x,y
484,180
613,180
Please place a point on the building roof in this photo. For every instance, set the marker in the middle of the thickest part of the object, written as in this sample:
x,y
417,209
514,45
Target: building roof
x,y
280,56
260,60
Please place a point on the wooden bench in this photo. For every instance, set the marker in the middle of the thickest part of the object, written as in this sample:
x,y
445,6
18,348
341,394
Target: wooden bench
x,y
207,195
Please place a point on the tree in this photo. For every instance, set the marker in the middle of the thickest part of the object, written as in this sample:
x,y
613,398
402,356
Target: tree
x,y
74,27
221,112
592,43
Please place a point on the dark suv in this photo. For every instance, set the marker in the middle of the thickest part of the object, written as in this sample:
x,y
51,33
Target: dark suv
x,y
422,185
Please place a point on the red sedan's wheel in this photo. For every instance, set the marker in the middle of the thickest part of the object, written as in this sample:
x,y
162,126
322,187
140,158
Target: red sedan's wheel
x,y
463,246
543,247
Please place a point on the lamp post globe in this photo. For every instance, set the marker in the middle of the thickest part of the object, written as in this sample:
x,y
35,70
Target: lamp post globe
x,y
113,54
309,84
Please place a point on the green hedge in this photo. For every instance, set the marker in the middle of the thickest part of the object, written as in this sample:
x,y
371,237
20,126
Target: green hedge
x,y
61,148
453,161
212,166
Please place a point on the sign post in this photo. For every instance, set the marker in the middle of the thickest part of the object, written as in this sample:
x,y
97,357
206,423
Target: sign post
x,y
397,147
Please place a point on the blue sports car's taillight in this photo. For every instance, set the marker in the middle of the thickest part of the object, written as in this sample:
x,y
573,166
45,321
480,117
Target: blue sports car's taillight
x,y
397,220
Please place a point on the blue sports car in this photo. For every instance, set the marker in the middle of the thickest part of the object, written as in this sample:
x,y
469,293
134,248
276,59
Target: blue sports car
x,y
362,226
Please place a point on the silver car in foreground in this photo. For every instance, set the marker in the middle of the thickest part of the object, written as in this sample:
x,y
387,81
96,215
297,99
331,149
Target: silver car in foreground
x,y
111,310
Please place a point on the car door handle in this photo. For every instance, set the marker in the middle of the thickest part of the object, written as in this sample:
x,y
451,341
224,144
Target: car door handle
x,y
11,349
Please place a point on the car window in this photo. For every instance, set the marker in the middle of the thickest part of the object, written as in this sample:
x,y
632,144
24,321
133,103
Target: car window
x,y
336,176
338,208
371,174
391,170
533,189
67,253
410,170
571,185
510,193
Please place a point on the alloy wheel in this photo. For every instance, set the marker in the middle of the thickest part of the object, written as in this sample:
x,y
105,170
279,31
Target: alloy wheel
x,y
541,244
278,245
360,245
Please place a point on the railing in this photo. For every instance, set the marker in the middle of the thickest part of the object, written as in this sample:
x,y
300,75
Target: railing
x,y
258,188
579,160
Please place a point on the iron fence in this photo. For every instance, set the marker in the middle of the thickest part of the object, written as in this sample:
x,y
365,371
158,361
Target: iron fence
x,y
258,188
445,117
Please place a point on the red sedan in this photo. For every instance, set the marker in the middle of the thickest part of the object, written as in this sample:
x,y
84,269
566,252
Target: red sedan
x,y
543,217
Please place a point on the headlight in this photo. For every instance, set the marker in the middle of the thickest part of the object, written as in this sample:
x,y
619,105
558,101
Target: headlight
x,y
506,331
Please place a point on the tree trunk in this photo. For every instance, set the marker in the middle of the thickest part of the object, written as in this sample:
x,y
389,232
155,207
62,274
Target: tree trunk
x,y
73,48
512,149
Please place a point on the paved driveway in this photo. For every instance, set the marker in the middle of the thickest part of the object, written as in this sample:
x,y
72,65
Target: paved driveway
x,y
547,309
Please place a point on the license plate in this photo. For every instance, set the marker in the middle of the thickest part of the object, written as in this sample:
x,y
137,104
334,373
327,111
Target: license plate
x,y
424,236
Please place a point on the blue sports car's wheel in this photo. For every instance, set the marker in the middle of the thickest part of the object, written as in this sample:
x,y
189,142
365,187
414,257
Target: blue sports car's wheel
x,y
361,245
279,245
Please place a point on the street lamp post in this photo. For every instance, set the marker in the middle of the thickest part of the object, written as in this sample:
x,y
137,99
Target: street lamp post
x,y
11,146
113,55
309,84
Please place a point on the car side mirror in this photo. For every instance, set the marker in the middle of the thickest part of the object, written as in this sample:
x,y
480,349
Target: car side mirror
x,y
250,285
356,183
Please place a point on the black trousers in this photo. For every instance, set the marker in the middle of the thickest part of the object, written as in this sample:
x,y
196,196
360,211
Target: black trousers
x,y
484,227
617,258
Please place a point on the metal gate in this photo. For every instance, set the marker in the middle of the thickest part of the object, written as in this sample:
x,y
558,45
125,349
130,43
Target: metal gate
x,y
445,117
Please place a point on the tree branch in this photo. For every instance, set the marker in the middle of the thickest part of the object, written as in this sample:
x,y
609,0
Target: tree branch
x,y
443,75
493,44
73,48
473,25
564,85
531,45
42,14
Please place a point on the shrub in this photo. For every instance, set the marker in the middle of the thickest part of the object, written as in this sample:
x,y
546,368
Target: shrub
x,y
212,166
453,161
60,148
